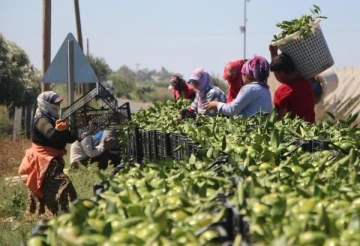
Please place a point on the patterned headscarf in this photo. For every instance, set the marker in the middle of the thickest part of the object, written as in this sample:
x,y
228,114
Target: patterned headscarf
x,y
46,105
203,78
256,68
232,74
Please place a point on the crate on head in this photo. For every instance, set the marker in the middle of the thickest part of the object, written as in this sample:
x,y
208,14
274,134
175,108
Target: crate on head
x,y
163,146
311,55
84,118
134,148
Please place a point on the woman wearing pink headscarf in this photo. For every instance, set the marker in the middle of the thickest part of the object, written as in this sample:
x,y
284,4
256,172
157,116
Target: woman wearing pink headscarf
x,y
206,92
254,96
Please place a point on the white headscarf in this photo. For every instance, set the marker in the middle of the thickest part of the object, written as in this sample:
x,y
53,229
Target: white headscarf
x,y
47,106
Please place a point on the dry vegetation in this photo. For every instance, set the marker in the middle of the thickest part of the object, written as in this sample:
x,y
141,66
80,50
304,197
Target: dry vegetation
x,y
11,154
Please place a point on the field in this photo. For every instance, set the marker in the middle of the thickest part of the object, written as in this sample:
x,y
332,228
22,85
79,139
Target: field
x,y
13,196
261,180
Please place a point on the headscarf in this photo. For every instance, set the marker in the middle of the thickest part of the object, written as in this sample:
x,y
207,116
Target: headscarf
x,y
257,68
203,78
46,105
232,74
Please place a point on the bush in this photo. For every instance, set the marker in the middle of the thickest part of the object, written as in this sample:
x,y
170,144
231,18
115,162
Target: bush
x,y
122,86
143,89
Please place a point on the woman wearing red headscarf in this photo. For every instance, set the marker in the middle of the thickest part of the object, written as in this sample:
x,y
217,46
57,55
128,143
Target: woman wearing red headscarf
x,y
232,74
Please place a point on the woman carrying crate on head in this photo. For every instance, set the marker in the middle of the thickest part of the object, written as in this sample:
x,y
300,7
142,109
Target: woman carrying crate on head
x,y
50,190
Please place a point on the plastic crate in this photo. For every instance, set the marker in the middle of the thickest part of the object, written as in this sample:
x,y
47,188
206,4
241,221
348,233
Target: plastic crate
x,y
153,145
133,145
163,145
178,146
80,113
99,92
100,119
146,144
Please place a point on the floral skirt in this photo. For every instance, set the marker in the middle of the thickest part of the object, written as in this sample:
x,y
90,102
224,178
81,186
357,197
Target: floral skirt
x,y
58,191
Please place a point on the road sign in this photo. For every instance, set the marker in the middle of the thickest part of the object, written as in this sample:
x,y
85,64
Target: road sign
x,y
57,72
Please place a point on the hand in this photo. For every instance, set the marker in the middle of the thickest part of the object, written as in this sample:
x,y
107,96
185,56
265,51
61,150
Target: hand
x,y
273,50
61,125
187,113
211,105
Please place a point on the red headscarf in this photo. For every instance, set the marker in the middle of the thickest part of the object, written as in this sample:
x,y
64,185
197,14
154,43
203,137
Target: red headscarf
x,y
232,73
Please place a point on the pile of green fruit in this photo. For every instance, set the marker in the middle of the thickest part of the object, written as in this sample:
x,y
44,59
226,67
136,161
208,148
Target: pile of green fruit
x,y
303,199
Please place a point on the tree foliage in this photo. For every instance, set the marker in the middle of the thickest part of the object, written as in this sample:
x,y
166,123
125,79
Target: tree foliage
x,y
101,68
19,80
122,86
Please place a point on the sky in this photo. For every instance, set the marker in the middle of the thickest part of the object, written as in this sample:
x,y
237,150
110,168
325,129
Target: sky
x,y
178,35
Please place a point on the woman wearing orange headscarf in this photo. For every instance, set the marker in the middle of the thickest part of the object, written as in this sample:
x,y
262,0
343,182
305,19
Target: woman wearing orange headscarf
x,y
232,74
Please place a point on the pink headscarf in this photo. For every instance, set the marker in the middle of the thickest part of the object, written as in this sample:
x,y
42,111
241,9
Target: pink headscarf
x,y
257,68
203,78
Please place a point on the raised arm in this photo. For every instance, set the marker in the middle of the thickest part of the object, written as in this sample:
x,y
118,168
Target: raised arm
x,y
243,99
273,51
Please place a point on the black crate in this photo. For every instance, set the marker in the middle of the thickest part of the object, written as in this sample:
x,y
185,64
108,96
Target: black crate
x,y
197,149
133,145
163,146
178,146
99,92
124,112
100,119
153,145
81,112
146,144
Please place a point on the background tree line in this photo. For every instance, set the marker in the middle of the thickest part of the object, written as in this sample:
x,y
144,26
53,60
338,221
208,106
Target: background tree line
x,y
20,81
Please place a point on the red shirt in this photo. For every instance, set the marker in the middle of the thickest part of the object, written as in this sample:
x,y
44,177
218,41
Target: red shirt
x,y
297,97
189,93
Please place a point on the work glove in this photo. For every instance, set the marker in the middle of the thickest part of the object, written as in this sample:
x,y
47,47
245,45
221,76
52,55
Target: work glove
x,y
61,125
187,113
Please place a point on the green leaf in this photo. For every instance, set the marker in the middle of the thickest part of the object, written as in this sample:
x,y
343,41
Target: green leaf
x,y
192,159
223,145
101,176
351,118
331,115
317,7
209,153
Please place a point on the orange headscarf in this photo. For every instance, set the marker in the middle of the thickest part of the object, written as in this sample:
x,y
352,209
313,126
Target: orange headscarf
x,y
232,73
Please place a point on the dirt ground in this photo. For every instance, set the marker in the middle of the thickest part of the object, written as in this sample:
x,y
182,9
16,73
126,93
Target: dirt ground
x,y
11,154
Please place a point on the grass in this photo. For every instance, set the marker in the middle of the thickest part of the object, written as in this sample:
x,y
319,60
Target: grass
x,y
13,196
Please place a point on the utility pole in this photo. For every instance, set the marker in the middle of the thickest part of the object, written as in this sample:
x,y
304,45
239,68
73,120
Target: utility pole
x,y
87,48
83,86
243,28
46,40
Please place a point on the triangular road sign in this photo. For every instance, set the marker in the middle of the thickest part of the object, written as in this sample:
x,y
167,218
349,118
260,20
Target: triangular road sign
x,y
57,72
